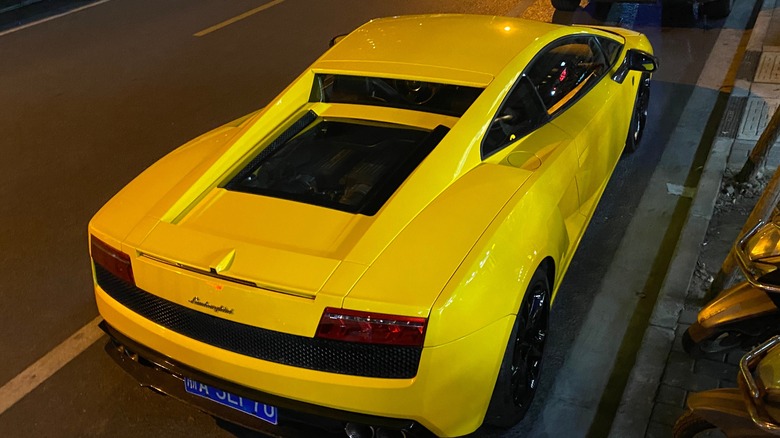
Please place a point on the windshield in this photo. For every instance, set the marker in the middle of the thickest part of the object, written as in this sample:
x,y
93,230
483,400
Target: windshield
x,y
450,100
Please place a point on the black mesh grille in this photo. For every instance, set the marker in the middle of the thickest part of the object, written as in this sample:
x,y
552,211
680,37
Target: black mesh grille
x,y
355,359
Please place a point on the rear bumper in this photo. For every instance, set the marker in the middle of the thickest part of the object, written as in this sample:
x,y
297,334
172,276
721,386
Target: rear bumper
x,y
448,396
163,374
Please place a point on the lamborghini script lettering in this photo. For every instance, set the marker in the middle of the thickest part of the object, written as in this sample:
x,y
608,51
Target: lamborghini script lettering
x,y
196,301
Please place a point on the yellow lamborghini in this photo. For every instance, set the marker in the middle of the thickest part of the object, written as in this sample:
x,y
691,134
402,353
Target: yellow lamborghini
x,y
377,249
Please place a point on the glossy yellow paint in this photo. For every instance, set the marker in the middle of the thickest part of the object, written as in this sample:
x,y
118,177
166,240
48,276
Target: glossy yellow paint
x,y
485,45
458,242
416,399
767,374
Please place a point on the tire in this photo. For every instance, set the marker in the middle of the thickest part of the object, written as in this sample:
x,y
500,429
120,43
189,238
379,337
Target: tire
x,y
718,343
565,5
689,425
717,8
639,115
518,378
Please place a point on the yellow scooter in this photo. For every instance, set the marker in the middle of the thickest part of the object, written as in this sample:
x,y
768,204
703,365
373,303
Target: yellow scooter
x,y
752,410
748,313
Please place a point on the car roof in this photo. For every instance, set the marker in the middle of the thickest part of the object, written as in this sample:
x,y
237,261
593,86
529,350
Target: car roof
x,y
465,49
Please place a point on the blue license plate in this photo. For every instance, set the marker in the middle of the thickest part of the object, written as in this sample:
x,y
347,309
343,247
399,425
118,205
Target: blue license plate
x,y
251,407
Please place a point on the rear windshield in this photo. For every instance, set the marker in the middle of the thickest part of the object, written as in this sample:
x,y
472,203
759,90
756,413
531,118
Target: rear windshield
x,y
450,100
350,165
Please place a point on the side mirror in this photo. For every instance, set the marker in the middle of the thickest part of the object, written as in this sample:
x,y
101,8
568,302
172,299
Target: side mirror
x,y
758,253
336,39
635,60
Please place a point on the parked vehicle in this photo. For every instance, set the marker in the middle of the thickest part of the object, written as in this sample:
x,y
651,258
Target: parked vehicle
x,y
711,8
378,247
752,410
749,312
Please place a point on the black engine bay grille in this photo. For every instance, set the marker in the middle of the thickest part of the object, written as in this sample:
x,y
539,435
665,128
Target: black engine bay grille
x,y
384,361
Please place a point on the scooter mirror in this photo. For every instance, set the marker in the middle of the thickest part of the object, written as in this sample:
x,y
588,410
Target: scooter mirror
x,y
764,245
759,254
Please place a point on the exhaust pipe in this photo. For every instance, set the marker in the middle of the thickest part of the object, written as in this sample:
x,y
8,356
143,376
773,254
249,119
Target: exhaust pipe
x,y
356,430
390,433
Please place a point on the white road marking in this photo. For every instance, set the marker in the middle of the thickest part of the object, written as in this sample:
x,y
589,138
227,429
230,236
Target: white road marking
x,y
714,75
53,17
678,190
237,18
37,373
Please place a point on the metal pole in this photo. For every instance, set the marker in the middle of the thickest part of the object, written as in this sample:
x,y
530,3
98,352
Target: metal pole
x,y
760,151
765,207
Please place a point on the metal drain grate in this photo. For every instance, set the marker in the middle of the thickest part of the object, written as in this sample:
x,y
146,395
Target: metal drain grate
x,y
769,68
756,117
729,124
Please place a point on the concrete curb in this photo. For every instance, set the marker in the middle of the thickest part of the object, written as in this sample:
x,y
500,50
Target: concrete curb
x,y
634,412
638,399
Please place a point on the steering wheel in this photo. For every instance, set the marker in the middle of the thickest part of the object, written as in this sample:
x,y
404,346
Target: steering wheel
x,y
416,92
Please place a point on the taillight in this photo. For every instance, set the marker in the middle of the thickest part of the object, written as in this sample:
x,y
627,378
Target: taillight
x,y
112,259
371,328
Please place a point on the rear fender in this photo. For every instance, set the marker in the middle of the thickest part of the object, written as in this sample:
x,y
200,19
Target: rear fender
x,y
725,408
741,302
491,281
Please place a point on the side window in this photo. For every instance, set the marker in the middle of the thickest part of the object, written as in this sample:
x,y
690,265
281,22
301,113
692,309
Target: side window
x,y
521,112
565,70
611,49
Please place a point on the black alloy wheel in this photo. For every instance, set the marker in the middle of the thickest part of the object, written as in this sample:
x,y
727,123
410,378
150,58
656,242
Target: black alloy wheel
x,y
639,116
529,344
519,375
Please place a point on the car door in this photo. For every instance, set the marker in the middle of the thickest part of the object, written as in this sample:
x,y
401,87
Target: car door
x,y
569,76
521,133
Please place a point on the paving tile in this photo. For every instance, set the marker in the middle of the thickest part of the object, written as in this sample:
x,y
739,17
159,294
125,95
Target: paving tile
x,y
658,430
768,70
681,359
688,316
677,345
747,70
729,123
683,377
772,159
666,414
733,357
680,329
671,395
677,374
719,370
739,153
756,116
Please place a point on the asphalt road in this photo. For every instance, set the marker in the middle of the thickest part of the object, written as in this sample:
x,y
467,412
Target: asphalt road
x,y
88,100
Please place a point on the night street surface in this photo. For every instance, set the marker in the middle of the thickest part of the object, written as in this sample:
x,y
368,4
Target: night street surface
x,y
88,100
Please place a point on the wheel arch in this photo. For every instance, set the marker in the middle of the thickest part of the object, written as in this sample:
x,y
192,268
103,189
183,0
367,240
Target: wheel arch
x,y
491,282
548,264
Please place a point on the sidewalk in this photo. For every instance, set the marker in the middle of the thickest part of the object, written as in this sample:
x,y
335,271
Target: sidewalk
x,y
664,374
